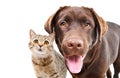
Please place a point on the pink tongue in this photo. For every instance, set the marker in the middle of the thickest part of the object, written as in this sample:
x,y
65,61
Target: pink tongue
x,y
75,63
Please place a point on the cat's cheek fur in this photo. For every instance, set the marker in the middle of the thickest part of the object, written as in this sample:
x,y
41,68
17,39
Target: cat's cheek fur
x,y
38,53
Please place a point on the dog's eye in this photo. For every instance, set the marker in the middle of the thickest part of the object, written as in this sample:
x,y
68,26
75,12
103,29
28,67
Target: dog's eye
x,y
62,23
87,23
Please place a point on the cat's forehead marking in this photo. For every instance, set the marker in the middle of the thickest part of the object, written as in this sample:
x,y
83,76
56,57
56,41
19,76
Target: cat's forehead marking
x,y
43,37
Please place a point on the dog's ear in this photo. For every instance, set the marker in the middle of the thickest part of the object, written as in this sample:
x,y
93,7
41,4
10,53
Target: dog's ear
x,y
102,24
49,25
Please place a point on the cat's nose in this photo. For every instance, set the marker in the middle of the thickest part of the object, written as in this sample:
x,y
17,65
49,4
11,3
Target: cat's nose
x,y
40,46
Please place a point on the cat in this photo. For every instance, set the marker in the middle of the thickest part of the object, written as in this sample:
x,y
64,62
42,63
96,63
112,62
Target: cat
x,y
46,61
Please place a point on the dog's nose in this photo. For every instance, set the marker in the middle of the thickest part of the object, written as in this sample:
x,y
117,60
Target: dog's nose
x,y
74,44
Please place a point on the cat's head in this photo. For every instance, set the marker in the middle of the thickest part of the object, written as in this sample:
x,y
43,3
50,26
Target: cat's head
x,y
41,45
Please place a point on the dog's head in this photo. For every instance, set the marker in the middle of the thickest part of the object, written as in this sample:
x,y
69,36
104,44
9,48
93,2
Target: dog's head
x,y
77,30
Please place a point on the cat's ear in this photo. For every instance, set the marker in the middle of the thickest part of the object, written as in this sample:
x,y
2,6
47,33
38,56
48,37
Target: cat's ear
x,y
32,33
52,36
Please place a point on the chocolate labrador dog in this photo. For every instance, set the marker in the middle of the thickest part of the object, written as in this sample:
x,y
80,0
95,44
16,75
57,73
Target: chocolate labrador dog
x,y
88,43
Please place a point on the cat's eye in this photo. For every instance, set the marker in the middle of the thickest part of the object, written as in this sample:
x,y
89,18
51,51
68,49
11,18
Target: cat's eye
x,y
35,41
46,42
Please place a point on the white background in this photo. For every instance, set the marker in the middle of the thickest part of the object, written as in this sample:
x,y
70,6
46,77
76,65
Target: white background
x,y
18,16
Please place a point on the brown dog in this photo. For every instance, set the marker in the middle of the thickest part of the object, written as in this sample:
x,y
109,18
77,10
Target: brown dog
x,y
86,41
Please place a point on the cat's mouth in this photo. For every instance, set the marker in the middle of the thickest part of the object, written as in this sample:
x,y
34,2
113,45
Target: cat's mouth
x,y
39,49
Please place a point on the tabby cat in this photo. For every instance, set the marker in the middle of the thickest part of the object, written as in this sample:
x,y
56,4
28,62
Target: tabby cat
x,y
46,61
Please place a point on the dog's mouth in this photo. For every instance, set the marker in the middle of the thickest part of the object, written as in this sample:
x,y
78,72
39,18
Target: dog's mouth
x,y
74,63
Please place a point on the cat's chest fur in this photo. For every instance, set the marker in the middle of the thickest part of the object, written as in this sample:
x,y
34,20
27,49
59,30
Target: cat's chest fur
x,y
43,65
43,62
47,67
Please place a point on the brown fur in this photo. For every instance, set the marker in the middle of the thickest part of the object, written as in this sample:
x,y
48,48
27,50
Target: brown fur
x,y
80,31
